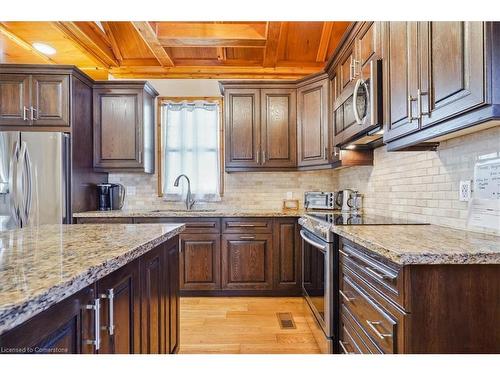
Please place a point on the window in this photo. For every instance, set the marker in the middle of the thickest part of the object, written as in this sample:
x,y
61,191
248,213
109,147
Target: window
x,y
190,144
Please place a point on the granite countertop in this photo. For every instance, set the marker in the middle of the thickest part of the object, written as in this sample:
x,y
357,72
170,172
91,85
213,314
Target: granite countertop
x,y
194,213
43,265
424,244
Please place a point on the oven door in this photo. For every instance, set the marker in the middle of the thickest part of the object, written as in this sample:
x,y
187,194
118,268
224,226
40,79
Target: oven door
x,y
317,281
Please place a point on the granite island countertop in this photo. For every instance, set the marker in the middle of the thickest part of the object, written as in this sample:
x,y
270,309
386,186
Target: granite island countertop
x,y
193,213
424,244
43,265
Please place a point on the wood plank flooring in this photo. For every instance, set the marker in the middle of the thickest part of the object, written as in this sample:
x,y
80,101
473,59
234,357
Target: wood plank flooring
x,y
246,325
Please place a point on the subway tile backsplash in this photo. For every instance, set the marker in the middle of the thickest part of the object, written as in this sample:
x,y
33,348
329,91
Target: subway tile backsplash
x,y
415,185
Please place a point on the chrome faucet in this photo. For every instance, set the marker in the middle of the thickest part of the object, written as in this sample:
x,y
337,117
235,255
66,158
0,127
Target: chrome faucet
x,y
189,198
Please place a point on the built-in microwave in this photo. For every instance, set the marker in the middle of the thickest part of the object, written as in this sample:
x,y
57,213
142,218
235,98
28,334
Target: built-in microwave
x,y
358,109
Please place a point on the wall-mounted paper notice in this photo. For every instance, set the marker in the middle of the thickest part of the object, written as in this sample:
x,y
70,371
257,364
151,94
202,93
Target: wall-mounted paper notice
x,y
484,208
487,179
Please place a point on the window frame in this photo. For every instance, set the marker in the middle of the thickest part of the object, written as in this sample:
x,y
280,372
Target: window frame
x,y
161,100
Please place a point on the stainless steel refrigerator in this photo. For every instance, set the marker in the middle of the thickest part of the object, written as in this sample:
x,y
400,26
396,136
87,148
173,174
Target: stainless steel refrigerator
x,y
35,179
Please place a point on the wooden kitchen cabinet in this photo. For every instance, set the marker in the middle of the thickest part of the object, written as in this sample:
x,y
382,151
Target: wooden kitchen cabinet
x,y
312,122
242,122
260,123
279,130
35,100
62,329
124,126
435,78
120,294
200,262
287,255
14,99
247,261
416,309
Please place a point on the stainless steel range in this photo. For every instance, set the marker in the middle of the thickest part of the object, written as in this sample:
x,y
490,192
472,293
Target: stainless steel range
x,y
320,265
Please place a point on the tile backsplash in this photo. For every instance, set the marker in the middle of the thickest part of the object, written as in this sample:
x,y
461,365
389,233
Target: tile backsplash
x,y
422,185
254,190
415,185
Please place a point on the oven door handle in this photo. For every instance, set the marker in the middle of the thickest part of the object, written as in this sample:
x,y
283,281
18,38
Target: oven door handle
x,y
312,242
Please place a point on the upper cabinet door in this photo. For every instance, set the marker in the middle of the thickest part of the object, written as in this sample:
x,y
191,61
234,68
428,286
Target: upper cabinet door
x,y
452,76
118,128
14,99
312,110
50,100
278,127
242,119
368,47
400,79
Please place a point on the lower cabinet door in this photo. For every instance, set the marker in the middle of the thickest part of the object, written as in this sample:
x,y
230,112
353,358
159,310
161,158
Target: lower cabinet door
x,y
154,302
173,296
119,293
247,261
286,262
65,328
200,262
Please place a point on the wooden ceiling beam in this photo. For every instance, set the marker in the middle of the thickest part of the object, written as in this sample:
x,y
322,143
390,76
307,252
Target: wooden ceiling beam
x,y
274,30
324,41
24,44
90,39
149,36
112,41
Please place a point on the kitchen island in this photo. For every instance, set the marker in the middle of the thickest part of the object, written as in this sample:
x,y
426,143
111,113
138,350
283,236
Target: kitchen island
x,y
59,282
418,289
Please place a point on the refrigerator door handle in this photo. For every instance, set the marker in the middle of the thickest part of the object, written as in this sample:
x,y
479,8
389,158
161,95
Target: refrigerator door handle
x,y
29,192
13,184
24,181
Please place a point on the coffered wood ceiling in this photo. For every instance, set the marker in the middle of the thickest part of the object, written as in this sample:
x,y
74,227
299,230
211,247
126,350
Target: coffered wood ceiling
x,y
282,50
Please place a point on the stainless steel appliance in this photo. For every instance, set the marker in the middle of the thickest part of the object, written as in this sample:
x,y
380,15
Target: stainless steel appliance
x,y
320,200
320,265
349,200
358,110
35,179
110,196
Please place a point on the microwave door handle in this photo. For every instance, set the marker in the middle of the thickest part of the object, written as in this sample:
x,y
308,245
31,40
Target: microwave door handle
x,y
371,93
312,242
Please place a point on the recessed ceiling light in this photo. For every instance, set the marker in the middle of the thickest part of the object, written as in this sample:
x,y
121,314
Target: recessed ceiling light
x,y
44,48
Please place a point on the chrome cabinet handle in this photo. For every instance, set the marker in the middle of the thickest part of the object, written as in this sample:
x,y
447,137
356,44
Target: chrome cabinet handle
x,y
34,113
25,116
244,225
258,157
247,237
373,325
354,63
378,275
344,253
111,310
344,296
410,110
419,103
140,156
344,349
97,323
326,153
263,156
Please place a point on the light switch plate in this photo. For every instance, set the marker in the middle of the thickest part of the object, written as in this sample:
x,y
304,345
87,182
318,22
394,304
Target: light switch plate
x,y
465,190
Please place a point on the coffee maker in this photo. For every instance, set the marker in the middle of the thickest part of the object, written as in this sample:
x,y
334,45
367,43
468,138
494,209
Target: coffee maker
x,y
110,196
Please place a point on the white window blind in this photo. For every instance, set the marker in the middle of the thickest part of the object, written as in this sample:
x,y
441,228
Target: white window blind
x,y
190,132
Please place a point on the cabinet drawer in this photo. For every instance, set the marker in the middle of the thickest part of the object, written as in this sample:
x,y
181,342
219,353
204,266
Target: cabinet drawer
x,y
193,225
247,225
104,220
384,277
376,322
351,330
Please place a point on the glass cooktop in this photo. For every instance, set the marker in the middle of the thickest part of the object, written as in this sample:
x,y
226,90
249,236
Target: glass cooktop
x,y
338,218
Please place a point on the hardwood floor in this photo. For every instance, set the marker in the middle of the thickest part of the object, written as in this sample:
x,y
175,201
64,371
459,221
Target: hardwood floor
x,y
246,325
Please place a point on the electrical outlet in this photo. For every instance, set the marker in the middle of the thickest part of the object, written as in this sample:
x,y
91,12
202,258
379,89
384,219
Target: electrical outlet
x,y
464,190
